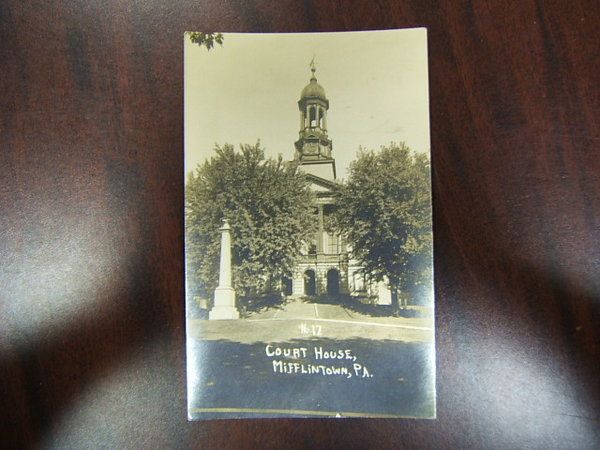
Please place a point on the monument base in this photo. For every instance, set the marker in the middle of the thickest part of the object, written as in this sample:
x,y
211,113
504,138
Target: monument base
x,y
224,307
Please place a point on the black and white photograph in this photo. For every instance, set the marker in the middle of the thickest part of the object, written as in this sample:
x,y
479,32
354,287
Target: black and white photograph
x,y
308,228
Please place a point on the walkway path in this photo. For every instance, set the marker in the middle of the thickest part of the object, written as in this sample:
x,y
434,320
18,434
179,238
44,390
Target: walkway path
x,y
299,319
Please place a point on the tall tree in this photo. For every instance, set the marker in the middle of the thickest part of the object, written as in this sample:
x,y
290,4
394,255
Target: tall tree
x,y
385,211
269,206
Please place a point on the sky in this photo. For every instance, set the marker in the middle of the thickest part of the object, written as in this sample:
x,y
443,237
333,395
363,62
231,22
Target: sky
x,y
248,89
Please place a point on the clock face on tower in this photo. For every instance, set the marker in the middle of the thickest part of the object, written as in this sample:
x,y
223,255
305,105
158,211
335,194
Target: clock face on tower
x,y
311,149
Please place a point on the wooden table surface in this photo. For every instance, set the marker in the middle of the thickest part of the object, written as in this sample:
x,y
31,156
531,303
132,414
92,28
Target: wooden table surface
x,y
91,224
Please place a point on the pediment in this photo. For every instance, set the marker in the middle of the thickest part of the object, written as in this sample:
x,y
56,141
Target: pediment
x,y
320,184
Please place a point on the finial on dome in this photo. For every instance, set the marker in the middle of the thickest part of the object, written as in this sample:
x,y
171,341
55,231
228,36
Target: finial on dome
x,y
313,89
313,68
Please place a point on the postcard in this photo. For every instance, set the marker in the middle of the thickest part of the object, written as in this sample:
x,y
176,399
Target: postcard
x,y
308,230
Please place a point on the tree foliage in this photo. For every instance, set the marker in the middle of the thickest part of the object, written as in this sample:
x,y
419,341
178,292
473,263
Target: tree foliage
x,y
268,204
207,40
385,211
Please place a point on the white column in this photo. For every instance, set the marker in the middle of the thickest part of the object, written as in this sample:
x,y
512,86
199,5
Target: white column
x,y
224,305
225,264
307,118
318,115
320,232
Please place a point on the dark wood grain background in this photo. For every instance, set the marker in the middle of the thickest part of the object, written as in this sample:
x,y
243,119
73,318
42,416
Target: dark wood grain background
x,y
91,224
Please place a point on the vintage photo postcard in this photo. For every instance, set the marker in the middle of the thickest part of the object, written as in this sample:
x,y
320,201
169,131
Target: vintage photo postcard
x,y
308,233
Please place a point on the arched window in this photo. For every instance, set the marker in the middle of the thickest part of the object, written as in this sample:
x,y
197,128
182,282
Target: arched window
x,y
312,116
310,283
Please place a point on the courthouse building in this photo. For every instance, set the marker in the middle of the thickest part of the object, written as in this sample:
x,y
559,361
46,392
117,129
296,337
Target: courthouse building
x,y
326,265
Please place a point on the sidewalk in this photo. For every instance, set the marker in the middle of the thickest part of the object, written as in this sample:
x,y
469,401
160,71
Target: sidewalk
x,y
298,319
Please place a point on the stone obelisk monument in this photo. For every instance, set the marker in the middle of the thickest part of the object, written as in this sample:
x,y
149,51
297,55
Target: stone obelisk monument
x,y
224,306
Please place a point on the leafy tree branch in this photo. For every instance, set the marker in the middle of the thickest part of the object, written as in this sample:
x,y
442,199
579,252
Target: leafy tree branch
x,y
207,40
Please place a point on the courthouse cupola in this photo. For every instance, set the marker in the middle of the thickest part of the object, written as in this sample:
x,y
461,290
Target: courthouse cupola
x,y
314,144
313,90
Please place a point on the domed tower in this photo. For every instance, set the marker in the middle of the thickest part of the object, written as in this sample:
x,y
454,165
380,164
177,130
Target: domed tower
x,y
323,264
313,148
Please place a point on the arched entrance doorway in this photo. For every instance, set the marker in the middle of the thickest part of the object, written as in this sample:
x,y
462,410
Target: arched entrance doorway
x,y
286,285
333,282
310,284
